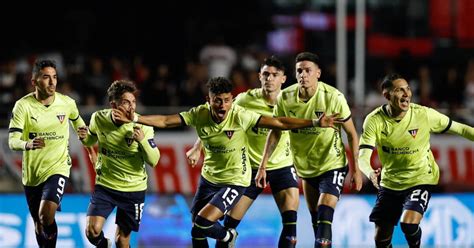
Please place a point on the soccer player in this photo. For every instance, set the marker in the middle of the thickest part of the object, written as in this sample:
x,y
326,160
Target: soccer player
x,y
319,154
401,132
281,173
221,126
40,128
121,179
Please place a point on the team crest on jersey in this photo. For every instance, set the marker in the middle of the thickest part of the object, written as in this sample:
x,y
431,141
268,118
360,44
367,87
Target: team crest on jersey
x,y
413,132
129,141
229,133
61,117
318,113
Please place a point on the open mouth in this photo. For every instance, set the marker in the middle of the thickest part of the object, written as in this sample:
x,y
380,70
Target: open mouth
x,y
405,102
221,113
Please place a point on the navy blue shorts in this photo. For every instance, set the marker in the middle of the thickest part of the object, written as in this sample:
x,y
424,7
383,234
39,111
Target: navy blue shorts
x,y
330,182
391,203
129,206
223,197
52,190
279,180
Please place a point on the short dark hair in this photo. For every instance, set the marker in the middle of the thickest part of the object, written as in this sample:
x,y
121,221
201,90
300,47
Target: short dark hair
x,y
40,65
119,87
219,85
275,62
387,81
307,56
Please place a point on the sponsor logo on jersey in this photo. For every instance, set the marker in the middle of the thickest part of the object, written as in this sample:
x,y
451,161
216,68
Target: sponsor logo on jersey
x,y
413,132
229,134
61,117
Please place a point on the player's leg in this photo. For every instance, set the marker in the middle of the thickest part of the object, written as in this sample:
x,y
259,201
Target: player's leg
x,y
100,206
33,196
385,214
416,203
330,186
130,207
284,184
311,195
233,217
53,191
223,199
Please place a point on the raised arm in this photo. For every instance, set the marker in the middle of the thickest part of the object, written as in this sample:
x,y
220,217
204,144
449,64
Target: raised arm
x,y
462,130
356,176
160,121
272,141
286,123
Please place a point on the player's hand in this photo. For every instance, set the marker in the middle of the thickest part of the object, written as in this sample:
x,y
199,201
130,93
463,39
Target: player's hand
x,y
193,155
356,180
36,143
374,177
261,177
82,132
138,134
122,115
329,121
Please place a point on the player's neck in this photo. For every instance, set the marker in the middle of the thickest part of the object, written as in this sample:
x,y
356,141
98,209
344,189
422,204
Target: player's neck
x,y
270,97
44,99
305,93
394,113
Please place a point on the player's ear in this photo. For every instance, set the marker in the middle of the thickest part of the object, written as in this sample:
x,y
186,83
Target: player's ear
x,y
208,99
113,104
386,94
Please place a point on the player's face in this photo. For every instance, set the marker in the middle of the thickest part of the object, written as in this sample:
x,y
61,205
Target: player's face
x,y
307,73
400,95
271,78
45,82
128,101
220,105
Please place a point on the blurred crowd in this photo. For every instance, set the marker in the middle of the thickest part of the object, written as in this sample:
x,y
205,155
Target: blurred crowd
x,y
85,78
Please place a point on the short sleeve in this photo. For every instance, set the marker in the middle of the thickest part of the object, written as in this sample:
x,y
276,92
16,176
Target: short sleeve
x,y
439,123
342,107
368,137
17,120
190,116
247,118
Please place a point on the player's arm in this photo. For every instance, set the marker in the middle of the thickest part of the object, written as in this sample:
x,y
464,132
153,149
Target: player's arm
x,y
15,132
273,138
462,130
160,121
286,123
145,140
366,147
194,154
353,139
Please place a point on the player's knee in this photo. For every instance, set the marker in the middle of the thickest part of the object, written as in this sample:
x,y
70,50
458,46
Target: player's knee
x,y
45,219
409,229
93,230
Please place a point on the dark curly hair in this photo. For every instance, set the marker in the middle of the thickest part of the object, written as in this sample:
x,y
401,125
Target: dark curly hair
x,y
219,85
119,87
40,65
